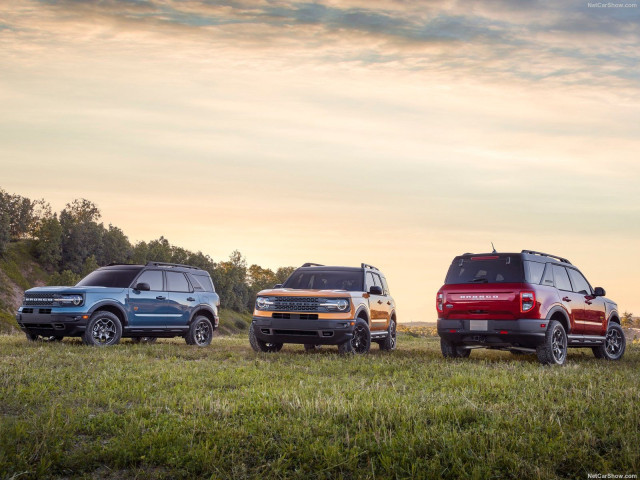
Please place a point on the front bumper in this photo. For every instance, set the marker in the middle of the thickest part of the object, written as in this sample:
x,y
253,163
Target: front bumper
x,y
64,324
527,333
314,332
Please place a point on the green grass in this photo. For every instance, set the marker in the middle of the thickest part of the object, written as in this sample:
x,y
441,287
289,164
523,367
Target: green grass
x,y
174,411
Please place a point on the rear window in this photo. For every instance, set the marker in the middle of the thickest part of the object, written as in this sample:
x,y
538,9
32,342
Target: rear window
x,y
109,278
325,280
533,271
485,269
202,282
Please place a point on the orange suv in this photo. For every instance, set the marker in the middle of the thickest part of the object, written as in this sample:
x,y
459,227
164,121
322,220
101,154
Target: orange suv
x,y
320,305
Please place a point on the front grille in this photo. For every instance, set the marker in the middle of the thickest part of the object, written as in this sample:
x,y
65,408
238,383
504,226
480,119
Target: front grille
x,y
296,304
45,311
38,299
293,316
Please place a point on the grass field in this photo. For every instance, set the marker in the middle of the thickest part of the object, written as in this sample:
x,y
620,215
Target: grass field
x,y
173,411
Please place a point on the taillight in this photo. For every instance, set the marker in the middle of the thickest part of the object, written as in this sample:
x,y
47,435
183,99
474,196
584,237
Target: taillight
x,y
440,302
527,301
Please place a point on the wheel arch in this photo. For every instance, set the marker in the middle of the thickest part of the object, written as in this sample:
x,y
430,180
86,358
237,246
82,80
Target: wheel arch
x,y
560,314
206,311
363,313
112,307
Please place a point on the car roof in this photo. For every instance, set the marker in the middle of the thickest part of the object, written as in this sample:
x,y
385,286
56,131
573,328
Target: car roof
x,y
332,268
156,265
525,255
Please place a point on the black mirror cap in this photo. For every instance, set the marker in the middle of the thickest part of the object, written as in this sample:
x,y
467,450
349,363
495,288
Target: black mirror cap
x,y
375,290
143,287
599,292
277,285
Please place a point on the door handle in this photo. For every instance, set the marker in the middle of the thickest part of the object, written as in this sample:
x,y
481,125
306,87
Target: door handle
x,y
380,301
160,297
191,299
566,299
588,302
388,303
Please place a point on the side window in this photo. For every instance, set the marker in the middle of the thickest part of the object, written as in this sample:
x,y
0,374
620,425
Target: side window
x,y
370,281
177,282
385,287
206,282
533,271
580,284
153,278
377,281
547,278
562,278
195,283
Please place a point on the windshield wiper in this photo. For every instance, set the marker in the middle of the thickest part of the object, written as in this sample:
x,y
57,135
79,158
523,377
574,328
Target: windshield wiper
x,y
478,280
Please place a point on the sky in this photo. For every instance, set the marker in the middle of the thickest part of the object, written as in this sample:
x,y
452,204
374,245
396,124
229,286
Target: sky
x,y
396,133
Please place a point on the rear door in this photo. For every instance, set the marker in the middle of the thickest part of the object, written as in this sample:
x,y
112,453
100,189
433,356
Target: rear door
x,y
181,300
149,307
572,301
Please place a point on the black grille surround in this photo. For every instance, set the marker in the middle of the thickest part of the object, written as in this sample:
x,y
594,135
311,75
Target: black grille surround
x,y
38,299
297,304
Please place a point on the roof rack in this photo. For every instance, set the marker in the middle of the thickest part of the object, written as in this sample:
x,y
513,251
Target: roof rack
x,y
113,264
366,265
165,264
309,264
533,252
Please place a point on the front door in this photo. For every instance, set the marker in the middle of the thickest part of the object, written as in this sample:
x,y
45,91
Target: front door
x,y
148,308
377,304
594,307
181,300
572,301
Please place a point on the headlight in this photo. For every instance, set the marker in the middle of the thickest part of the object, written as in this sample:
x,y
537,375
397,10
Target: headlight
x,y
75,300
264,303
339,304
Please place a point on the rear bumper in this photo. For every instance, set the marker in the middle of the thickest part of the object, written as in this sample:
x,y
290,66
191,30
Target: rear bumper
x,y
526,333
62,324
314,332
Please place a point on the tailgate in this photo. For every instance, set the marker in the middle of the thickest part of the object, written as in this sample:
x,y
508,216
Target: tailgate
x,y
492,302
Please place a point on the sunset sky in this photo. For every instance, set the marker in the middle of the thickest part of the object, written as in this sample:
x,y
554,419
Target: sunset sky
x,y
396,133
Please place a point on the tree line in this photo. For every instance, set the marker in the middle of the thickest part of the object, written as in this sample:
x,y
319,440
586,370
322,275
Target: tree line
x,y
72,243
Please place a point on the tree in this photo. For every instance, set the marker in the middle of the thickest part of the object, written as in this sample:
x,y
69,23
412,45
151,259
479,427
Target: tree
x,y
140,253
48,243
159,250
115,246
230,279
5,232
89,265
66,278
81,234
627,319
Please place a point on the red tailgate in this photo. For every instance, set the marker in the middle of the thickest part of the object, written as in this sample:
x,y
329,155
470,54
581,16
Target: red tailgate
x,y
481,301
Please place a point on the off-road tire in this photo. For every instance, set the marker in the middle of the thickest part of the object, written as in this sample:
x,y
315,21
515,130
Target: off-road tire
x,y
554,349
311,347
200,332
389,343
614,346
103,329
262,346
360,343
453,350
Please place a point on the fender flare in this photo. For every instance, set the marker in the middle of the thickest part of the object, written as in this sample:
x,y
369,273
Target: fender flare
x,y
110,303
560,308
200,307
613,313
359,310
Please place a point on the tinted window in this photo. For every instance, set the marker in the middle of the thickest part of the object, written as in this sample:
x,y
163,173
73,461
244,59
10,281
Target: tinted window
x,y
377,281
177,282
385,286
547,279
205,282
109,278
153,278
485,270
561,278
370,281
580,284
533,271
325,280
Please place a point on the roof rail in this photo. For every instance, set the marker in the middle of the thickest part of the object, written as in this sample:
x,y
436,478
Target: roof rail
x,y
113,264
309,264
366,265
166,264
533,252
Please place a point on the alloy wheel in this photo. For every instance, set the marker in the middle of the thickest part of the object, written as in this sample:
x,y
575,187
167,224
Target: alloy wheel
x,y
613,342
360,340
202,333
103,331
559,345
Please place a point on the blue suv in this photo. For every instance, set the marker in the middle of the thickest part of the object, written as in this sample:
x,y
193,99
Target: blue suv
x,y
142,302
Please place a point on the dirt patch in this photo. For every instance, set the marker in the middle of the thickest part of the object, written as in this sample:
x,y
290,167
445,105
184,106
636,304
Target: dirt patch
x,y
11,293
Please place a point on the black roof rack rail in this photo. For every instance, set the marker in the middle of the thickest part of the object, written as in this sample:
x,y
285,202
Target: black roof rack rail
x,y
113,264
310,264
533,252
166,264
366,265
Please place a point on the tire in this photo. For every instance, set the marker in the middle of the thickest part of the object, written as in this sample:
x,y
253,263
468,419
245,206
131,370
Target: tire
x,y
310,347
200,332
453,350
149,340
554,349
615,344
262,346
103,329
361,341
389,343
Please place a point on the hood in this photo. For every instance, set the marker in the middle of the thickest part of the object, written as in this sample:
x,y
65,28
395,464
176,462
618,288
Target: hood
x,y
72,290
294,292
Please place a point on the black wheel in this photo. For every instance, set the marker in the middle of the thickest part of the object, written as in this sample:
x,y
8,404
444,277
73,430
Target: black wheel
x,y
554,349
615,344
103,329
389,343
453,350
149,340
360,343
200,332
310,347
260,345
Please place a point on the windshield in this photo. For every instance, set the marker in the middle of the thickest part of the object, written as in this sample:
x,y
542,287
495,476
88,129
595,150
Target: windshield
x,y
325,280
486,269
109,278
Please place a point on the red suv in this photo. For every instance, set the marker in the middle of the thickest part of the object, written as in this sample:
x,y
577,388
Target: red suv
x,y
528,302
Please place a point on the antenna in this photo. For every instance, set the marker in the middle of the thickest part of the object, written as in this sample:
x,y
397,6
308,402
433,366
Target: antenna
x,y
494,248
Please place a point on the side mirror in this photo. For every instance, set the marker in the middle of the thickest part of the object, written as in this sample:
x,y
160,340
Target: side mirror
x,y
375,290
143,287
599,292
277,285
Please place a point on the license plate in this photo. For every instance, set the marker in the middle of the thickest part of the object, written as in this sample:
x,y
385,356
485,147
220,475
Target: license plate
x,y
478,325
